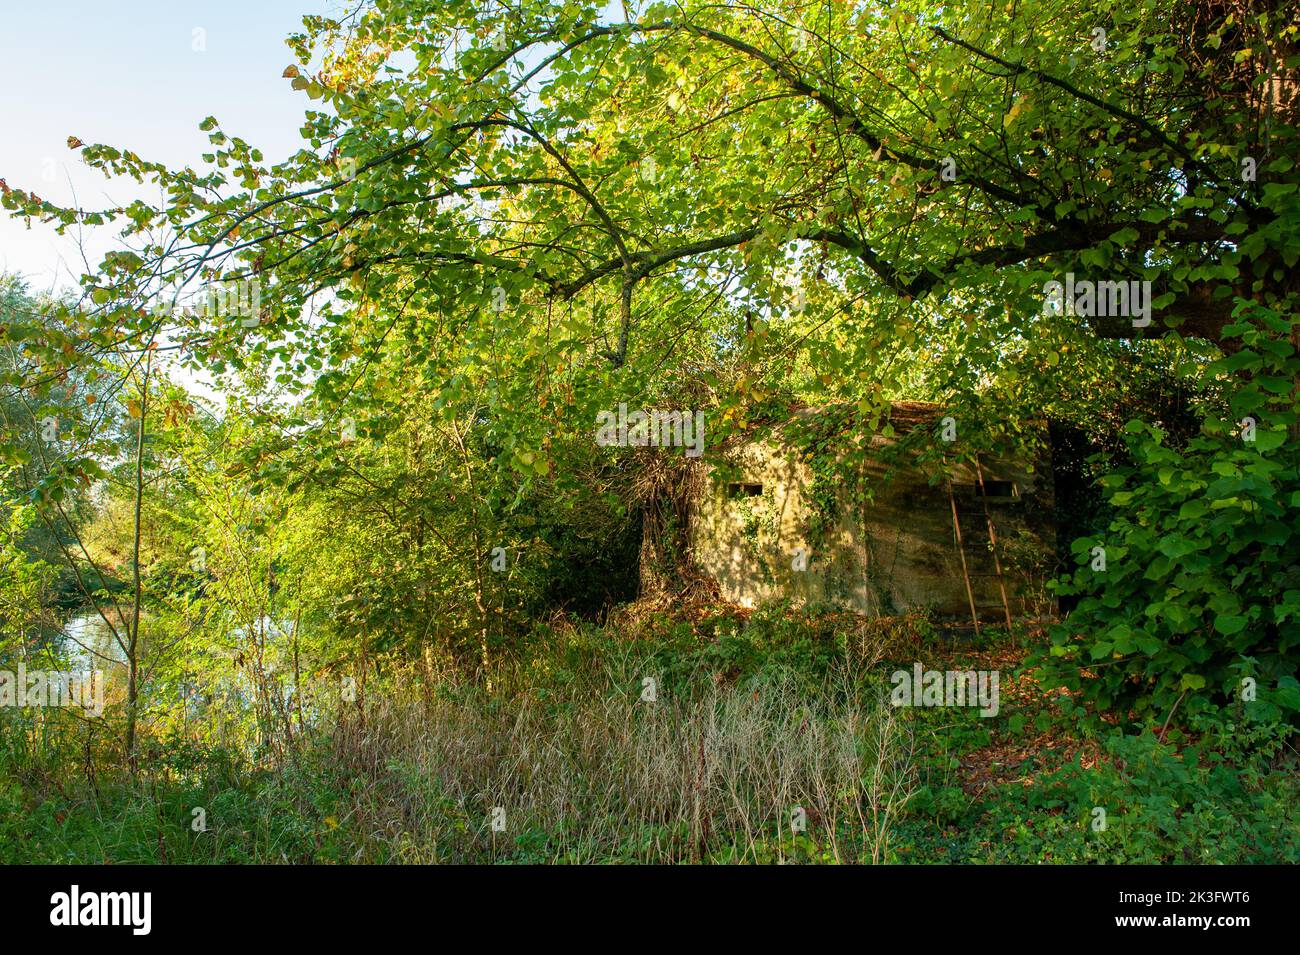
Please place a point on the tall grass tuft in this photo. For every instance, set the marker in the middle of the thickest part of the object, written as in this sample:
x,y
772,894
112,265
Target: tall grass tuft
x,y
754,772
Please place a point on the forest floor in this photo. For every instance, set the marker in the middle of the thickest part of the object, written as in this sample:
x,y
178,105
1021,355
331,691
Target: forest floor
x,y
709,735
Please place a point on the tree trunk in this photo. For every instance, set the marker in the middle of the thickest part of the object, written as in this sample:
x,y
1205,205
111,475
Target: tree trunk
x,y
133,640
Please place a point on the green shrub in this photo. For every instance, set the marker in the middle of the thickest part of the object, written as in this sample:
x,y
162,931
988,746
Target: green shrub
x,y
1199,572
1148,802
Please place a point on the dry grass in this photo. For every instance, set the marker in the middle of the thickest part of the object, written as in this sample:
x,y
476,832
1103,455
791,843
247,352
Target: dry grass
x,y
598,774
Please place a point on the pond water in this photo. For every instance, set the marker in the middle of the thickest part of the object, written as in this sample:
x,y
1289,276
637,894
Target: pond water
x,y
89,644
85,641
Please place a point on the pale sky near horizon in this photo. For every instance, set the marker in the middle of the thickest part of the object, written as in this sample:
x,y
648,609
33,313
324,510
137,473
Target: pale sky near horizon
x,y
133,74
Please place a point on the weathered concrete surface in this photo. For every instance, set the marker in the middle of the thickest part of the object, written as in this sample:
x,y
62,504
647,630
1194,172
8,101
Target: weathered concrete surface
x,y
887,550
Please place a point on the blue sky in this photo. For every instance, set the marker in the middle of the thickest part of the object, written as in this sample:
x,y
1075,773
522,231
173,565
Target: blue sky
x,y
134,74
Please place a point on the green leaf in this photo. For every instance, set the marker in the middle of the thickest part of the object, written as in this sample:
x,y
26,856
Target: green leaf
x,y
1229,624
